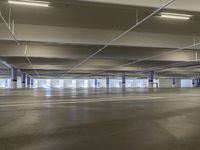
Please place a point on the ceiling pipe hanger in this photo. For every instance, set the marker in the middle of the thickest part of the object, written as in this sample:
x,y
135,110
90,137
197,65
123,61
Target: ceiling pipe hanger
x,y
118,37
162,67
155,56
18,43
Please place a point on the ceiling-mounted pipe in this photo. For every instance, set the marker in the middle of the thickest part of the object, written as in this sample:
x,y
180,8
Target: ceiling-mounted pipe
x,y
9,17
118,37
159,55
154,56
162,67
18,43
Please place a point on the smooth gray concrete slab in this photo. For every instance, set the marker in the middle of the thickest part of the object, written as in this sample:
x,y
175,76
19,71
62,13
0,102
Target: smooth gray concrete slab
x,y
99,119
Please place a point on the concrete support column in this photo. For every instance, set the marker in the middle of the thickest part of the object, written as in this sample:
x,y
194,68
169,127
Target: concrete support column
x,y
13,77
198,82
96,83
28,80
107,82
124,81
14,74
194,82
151,75
24,78
32,82
174,82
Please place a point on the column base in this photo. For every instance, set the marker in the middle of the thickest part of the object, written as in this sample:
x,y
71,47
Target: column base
x,y
151,85
14,84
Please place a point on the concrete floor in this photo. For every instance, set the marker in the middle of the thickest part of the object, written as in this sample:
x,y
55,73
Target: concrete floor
x,y
135,119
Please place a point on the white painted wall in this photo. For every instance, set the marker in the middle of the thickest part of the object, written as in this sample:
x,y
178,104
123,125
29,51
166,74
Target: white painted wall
x,y
69,83
102,83
91,83
186,83
4,83
115,83
79,83
165,83
140,83
168,83
137,83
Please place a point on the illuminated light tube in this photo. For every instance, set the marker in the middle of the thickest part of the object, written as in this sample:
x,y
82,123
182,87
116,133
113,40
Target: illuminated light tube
x,y
176,16
28,3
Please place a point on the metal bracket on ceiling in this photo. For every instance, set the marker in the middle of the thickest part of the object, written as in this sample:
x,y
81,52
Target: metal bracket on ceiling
x,y
137,16
17,42
117,38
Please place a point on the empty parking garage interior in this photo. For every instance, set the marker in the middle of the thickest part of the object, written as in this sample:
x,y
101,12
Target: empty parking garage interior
x,y
99,74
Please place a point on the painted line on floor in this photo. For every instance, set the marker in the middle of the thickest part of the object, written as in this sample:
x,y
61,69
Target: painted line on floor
x,y
72,99
76,102
75,99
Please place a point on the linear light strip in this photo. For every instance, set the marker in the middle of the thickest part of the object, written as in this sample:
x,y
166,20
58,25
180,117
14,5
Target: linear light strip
x,y
175,16
28,3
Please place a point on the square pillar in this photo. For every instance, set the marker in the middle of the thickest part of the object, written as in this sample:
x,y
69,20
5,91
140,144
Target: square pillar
x,y
151,75
24,78
174,82
198,82
14,74
32,81
28,80
107,82
96,83
124,81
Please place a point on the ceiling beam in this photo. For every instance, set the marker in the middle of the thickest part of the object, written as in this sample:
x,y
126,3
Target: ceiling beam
x,y
183,5
83,36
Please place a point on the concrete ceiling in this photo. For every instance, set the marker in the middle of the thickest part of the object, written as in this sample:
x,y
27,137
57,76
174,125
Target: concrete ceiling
x,y
59,37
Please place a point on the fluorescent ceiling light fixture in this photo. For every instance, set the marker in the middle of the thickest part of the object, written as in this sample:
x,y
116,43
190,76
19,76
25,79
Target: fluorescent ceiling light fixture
x,y
29,3
175,16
